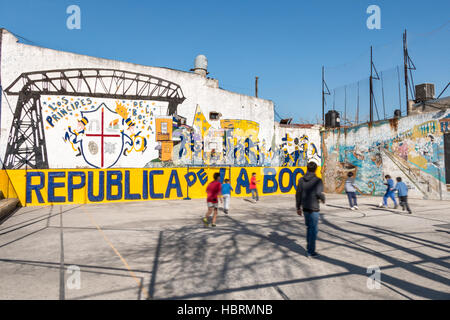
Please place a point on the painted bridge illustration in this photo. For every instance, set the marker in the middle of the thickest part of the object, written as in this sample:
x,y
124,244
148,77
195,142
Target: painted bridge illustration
x,y
26,142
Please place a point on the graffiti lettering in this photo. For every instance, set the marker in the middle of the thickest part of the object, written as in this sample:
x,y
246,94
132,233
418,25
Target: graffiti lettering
x,y
93,186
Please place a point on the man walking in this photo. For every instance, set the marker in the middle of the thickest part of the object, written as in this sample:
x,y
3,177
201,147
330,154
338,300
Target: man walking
x,y
213,191
402,190
309,192
389,192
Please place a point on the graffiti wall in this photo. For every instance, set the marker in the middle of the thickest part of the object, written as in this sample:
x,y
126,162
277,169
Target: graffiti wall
x,y
64,110
238,142
298,144
101,133
69,186
411,148
78,129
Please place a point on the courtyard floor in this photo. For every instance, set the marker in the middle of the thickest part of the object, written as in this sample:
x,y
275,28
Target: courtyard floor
x,y
161,250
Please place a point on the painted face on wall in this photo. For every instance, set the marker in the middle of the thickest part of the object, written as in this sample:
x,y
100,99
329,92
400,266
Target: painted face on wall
x,y
80,126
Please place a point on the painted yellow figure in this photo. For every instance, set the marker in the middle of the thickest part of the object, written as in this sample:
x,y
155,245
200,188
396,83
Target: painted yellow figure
x,y
138,143
135,141
73,135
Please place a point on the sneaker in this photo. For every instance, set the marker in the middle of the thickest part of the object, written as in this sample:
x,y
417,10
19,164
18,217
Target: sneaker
x,y
352,208
356,207
313,255
381,205
225,211
205,221
410,212
213,225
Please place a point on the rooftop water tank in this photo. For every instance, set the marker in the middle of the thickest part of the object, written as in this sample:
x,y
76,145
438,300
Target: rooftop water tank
x,y
332,119
201,65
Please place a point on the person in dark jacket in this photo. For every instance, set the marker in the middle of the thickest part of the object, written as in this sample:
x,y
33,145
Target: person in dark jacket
x,y
309,192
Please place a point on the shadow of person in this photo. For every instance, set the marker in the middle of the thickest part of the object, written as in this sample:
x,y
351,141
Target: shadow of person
x,y
284,241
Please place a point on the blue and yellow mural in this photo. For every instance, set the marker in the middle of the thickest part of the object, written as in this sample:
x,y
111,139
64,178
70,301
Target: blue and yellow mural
x,y
77,186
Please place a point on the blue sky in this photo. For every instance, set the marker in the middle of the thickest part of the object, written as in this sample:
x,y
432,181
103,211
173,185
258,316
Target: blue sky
x,y
285,43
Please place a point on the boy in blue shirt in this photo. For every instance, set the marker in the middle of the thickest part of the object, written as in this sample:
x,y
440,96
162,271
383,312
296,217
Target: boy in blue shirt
x,y
402,190
390,192
226,194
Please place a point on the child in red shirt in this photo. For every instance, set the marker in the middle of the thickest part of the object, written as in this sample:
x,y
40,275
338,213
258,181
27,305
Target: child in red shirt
x,y
253,188
213,191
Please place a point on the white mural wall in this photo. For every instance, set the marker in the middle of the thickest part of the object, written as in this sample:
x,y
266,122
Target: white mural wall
x,y
100,133
76,135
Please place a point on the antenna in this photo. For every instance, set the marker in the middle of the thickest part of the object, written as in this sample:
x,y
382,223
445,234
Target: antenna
x,y
324,85
372,77
409,66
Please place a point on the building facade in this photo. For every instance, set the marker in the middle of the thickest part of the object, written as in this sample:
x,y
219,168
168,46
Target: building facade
x,y
61,110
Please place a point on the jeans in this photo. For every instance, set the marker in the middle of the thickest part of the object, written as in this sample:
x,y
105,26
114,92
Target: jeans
x,y
226,201
352,199
404,203
312,228
389,194
254,194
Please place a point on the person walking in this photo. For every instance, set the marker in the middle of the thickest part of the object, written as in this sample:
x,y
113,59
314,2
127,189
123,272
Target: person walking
x,y
351,191
389,192
226,194
213,194
253,187
309,192
402,190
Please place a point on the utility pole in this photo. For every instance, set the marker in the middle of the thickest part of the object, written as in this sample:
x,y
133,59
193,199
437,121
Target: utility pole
x,y
382,92
345,105
405,60
256,86
399,90
371,88
357,108
323,96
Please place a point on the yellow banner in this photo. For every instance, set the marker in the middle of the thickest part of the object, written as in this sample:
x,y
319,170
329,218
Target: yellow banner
x,y
77,186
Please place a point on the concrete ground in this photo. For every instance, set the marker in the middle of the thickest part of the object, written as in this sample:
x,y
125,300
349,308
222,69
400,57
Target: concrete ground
x,y
161,250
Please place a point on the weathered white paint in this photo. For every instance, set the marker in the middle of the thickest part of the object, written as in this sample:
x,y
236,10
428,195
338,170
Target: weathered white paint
x,y
18,58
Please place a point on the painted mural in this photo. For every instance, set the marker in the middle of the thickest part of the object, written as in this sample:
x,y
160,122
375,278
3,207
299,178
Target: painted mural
x,y
237,142
101,133
412,148
298,151
70,186
97,125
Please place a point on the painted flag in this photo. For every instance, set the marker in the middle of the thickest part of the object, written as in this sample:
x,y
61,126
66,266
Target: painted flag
x,y
200,122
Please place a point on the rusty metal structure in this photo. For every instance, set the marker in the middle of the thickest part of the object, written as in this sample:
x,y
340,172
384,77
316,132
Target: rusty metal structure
x,y
26,144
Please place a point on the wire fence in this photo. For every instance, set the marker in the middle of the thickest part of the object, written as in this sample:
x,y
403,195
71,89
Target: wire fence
x,y
429,53
352,101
